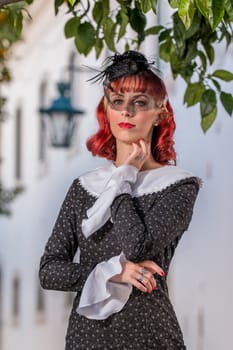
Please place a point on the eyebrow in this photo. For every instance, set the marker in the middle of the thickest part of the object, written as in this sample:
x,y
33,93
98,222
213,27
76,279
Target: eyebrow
x,y
141,94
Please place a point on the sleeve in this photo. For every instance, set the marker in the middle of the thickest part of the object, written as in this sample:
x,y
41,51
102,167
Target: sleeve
x,y
57,270
168,217
100,296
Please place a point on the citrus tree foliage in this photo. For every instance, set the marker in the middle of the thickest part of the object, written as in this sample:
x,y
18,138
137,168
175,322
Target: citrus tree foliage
x,y
6,197
11,23
188,44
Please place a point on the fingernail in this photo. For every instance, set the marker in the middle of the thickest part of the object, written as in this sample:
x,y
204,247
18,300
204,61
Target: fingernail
x,y
162,273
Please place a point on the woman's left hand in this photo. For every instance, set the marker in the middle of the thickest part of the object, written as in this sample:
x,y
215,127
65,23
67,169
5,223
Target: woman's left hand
x,y
140,275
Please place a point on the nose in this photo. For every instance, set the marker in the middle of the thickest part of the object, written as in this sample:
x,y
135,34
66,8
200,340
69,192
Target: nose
x,y
127,114
128,110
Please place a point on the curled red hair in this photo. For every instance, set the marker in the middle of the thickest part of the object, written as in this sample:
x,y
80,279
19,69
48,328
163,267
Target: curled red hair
x,y
103,143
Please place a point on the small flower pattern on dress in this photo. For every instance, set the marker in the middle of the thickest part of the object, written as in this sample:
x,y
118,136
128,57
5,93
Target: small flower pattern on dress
x,y
145,227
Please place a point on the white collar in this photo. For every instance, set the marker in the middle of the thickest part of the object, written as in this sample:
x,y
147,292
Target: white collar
x,y
148,181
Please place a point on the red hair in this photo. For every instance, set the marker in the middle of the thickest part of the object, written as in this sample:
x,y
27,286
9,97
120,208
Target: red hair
x,y
103,143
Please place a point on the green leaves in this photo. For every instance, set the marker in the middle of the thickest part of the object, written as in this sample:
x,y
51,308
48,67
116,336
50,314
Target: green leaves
x,y
137,21
198,93
207,120
208,102
97,11
123,20
188,44
229,9
186,12
212,10
223,74
208,109
153,30
107,25
193,93
218,13
227,102
146,5
209,51
85,38
109,33
6,197
57,4
72,2
11,23
71,27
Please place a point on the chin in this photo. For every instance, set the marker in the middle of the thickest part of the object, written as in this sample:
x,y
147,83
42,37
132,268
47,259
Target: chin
x,y
130,140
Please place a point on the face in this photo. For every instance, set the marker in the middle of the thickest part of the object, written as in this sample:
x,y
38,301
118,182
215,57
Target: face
x,y
132,115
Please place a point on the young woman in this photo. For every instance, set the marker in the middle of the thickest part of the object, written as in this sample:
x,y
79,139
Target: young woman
x,y
126,218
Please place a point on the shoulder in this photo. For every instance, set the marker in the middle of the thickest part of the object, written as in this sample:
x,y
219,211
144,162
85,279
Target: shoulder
x,y
94,181
165,178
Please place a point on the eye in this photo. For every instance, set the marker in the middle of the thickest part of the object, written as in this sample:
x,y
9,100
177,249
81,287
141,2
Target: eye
x,y
117,102
140,103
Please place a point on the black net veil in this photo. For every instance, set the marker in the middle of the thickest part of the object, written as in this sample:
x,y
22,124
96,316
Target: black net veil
x,y
122,65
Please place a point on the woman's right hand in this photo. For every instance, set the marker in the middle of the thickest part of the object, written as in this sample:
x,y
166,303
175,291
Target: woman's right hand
x,y
140,275
140,153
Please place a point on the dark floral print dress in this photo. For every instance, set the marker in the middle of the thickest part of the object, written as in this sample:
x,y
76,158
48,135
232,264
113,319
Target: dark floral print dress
x,y
111,214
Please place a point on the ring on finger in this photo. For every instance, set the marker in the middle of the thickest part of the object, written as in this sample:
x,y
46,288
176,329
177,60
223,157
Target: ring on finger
x,y
143,271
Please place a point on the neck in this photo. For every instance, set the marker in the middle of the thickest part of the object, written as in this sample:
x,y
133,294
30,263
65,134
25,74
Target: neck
x,y
124,150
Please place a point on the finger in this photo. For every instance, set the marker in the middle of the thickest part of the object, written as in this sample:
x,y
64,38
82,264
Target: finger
x,y
147,275
139,285
152,267
135,157
149,284
144,147
136,148
144,272
135,153
145,282
139,154
153,283
147,279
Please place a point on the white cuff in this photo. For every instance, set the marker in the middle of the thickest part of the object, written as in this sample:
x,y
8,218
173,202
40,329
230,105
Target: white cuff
x,y
101,297
120,182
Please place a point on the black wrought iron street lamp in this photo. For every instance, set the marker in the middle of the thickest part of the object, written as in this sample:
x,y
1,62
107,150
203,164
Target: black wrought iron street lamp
x,y
62,117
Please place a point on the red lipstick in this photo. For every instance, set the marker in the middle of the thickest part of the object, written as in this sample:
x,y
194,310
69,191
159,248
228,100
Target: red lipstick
x,y
126,125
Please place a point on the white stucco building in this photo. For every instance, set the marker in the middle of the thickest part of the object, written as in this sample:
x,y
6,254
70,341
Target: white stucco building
x,y
200,277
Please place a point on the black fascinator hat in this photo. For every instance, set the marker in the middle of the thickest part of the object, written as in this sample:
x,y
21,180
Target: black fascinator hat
x,y
122,65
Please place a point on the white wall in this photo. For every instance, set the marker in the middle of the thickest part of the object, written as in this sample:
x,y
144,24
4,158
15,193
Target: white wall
x,y
201,283
201,278
202,270
43,54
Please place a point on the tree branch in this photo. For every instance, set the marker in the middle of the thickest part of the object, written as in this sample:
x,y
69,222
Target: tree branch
x,y
8,2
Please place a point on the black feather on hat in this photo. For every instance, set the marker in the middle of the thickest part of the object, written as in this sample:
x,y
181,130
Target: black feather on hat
x,y
122,65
